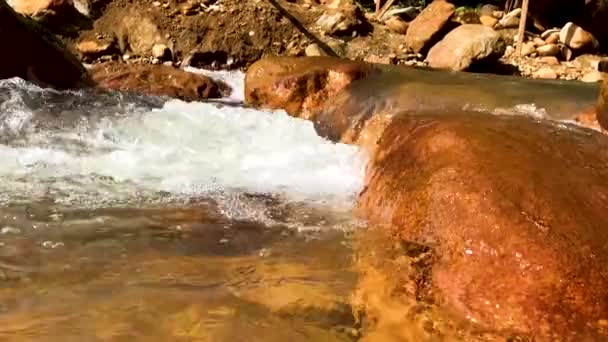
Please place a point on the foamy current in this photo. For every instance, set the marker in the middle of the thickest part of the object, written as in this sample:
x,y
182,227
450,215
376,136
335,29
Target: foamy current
x,y
78,149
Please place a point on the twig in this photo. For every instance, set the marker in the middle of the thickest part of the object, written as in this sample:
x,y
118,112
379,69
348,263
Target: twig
x,y
384,8
522,26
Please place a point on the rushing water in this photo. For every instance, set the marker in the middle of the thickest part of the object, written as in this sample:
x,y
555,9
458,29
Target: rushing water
x,y
128,218
132,218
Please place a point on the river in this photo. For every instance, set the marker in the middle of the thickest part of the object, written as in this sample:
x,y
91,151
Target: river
x,y
132,218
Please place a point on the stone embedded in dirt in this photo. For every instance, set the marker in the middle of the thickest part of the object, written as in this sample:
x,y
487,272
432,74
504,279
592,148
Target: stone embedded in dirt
x,y
300,86
137,32
397,25
465,45
36,55
548,50
546,73
472,201
553,38
549,60
566,53
341,17
592,77
157,80
95,48
428,26
528,48
313,50
488,20
576,38
162,52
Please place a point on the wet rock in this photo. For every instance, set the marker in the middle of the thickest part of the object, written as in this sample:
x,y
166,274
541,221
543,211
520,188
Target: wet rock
x,y
158,80
300,86
548,50
36,55
576,38
428,26
506,251
341,17
465,45
397,25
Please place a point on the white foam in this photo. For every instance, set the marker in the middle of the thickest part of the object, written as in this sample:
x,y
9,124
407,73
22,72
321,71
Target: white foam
x,y
185,149
235,79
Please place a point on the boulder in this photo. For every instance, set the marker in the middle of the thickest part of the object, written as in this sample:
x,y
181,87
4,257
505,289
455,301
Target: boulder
x,y
157,80
65,17
428,27
34,54
548,50
465,45
576,38
601,106
496,232
300,86
40,8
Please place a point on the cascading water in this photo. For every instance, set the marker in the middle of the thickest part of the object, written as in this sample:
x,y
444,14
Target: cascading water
x,y
140,218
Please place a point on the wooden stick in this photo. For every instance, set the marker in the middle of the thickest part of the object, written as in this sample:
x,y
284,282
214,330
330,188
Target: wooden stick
x,y
384,8
378,3
522,26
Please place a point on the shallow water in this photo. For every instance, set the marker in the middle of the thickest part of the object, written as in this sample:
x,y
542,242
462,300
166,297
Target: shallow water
x,y
126,218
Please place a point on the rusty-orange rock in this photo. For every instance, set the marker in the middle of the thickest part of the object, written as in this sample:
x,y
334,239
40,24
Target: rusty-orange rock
x,y
300,86
602,104
159,80
512,211
34,54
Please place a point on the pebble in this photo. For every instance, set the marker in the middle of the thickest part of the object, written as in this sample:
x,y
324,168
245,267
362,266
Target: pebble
x,y
545,73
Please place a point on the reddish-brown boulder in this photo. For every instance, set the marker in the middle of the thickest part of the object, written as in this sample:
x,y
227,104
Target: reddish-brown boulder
x,y
602,105
34,54
512,211
429,25
300,86
159,80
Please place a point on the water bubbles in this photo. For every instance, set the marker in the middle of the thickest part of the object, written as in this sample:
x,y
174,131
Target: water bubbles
x,y
10,230
52,245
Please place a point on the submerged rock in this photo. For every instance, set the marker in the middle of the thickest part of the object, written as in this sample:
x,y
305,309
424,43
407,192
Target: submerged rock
x,y
34,54
160,80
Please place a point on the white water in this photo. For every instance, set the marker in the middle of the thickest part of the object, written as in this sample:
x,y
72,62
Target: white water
x,y
182,149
